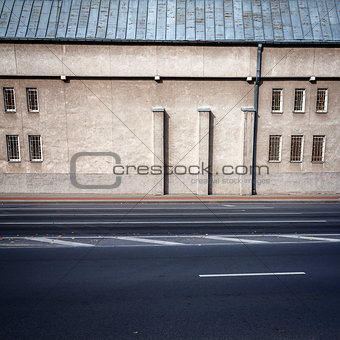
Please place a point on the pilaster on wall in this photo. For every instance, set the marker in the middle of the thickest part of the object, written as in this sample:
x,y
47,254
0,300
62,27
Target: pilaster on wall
x,y
245,188
158,147
204,150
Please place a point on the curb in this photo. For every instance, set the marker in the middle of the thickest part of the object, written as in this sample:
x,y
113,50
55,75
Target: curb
x,y
170,199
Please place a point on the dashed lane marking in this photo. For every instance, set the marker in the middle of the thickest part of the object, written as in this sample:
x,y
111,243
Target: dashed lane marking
x,y
311,238
252,274
52,241
234,239
138,239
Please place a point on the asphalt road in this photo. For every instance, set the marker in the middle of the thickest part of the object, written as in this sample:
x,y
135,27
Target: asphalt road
x,y
139,287
183,218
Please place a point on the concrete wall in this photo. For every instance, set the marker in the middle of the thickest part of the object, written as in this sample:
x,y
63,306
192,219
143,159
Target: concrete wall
x,y
115,115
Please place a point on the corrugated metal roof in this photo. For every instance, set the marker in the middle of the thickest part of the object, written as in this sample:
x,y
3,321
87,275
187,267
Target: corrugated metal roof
x,y
285,21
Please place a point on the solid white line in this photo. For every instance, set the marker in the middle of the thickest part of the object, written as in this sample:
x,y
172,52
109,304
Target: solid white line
x,y
311,238
52,241
234,239
252,274
137,239
164,222
151,214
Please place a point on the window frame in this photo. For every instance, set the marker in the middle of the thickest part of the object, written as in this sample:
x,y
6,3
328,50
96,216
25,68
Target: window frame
x,y
30,149
281,100
5,101
326,100
280,149
9,160
323,149
302,146
303,101
28,89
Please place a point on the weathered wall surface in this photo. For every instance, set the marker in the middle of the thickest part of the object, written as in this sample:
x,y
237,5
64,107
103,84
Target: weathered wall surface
x,y
115,115
126,60
308,176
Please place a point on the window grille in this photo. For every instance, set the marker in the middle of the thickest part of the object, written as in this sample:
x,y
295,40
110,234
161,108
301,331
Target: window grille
x,y
35,148
321,100
32,100
9,99
296,148
274,148
277,100
299,102
13,148
318,151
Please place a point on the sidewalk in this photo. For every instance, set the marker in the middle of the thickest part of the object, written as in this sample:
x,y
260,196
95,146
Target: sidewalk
x,y
185,198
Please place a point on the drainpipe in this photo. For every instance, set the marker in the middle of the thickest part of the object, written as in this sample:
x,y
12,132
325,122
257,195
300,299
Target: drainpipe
x,y
256,106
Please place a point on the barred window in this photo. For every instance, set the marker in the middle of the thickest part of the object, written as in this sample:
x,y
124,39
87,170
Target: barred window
x,y
277,100
13,148
32,100
296,148
35,148
299,102
321,100
9,99
274,148
318,152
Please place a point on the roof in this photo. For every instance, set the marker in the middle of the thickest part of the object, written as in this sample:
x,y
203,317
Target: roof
x,y
180,21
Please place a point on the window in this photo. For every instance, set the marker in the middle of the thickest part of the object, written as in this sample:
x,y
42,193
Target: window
x,y
299,101
13,148
277,100
35,148
32,100
321,100
296,148
274,148
9,99
318,152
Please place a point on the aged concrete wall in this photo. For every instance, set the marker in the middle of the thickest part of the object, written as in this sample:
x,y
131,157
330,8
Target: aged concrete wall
x,y
116,116
305,176
301,62
126,60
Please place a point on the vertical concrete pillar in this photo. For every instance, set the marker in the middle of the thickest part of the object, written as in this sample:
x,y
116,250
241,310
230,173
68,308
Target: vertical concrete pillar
x,y
248,131
204,179
158,147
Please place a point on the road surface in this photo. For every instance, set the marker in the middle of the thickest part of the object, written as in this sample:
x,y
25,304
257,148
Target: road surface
x,y
264,271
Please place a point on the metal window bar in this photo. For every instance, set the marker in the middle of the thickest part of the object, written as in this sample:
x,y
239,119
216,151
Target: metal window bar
x,y
318,148
321,100
277,100
9,99
35,148
13,148
296,148
299,102
274,148
32,100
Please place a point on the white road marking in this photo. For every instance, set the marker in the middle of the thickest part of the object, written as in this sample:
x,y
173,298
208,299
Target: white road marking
x,y
162,222
138,239
252,274
51,241
311,238
234,239
153,214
